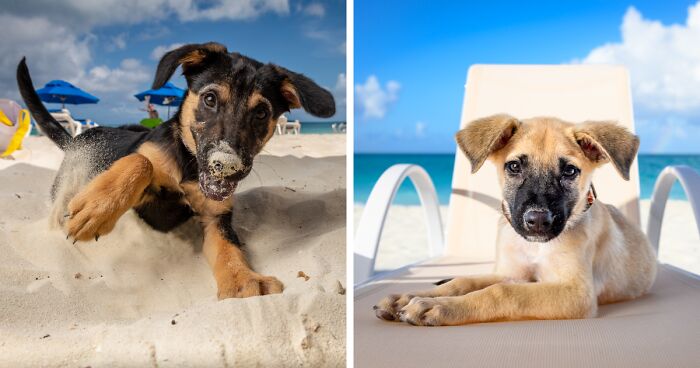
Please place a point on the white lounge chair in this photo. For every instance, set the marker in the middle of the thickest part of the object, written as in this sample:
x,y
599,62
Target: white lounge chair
x,y
74,126
659,329
293,127
281,124
284,126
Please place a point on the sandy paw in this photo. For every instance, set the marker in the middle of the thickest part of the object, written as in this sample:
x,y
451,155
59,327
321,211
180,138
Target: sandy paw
x,y
91,217
249,284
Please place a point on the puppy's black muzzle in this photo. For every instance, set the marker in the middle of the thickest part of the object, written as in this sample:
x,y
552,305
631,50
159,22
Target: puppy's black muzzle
x,y
538,222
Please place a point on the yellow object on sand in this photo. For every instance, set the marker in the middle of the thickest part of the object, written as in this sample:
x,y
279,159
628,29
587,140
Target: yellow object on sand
x,y
15,143
5,120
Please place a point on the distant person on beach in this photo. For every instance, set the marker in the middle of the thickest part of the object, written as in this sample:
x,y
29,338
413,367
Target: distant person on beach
x,y
152,112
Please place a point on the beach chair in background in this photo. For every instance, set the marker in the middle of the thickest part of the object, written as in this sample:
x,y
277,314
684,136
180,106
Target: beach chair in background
x,y
658,329
284,126
293,127
281,124
15,125
73,125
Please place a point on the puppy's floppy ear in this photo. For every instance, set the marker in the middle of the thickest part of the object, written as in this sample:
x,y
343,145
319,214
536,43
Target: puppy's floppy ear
x,y
606,141
189,56
300,91
484,136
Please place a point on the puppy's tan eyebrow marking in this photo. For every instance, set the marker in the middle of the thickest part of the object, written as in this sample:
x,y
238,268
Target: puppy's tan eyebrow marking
x,y
256,98
223,91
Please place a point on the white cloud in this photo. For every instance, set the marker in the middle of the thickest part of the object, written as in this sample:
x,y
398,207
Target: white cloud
x,y
664,61
85,14
229,9
52,51
127,77
56,37
420,129
373,100
315,10
159,51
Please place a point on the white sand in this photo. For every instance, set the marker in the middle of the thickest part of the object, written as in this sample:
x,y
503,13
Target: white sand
x,y
142,298
404,239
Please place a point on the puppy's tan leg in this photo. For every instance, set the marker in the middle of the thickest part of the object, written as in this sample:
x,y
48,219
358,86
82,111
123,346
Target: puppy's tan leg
x,y
95,210
388,308
504,302
234,278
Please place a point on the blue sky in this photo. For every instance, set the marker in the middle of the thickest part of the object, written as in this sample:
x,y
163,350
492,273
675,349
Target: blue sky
x,y
411,59
111,48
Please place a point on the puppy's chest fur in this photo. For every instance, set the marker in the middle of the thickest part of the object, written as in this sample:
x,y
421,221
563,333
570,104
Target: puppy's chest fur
x,y
571,255
166,207
525,261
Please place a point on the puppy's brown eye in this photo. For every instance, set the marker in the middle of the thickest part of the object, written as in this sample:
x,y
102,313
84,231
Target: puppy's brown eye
x,y
513,167
261,114
569,171
209,99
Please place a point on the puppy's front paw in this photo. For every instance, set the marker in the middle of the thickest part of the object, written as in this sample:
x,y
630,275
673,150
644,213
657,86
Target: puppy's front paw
x,y
424,312
388,308
246,284
92,216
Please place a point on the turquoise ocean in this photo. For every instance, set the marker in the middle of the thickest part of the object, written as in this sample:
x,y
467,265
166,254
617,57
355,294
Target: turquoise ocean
x,y
317,127
369,167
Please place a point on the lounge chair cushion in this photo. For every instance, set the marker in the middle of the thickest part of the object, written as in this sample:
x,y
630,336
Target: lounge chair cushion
x,y
661,329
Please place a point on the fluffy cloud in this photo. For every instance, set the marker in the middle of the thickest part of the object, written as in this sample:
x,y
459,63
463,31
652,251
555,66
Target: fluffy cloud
x,y
52,50
373,100
85,14
664,61
664,65
159,51
57,37
125,78
228,9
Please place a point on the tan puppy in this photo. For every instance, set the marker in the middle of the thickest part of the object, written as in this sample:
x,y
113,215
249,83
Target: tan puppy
x,y
560,251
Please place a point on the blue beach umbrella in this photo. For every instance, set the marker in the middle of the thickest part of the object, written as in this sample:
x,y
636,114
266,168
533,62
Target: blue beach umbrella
x,y
58,91
168,95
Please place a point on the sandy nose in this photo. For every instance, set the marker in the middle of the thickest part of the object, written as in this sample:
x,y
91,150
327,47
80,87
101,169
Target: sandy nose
x,y
223,164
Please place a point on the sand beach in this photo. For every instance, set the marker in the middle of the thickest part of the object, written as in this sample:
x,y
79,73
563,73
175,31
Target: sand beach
x,y
143,298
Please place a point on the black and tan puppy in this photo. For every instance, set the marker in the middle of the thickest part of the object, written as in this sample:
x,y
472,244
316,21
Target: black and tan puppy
x,y
560,252
189,165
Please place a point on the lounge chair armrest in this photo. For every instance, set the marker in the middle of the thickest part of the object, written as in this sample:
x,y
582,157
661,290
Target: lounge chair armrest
x,y
690,181
369,230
